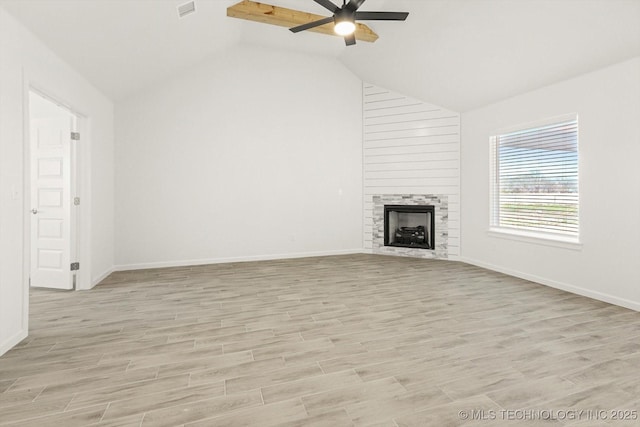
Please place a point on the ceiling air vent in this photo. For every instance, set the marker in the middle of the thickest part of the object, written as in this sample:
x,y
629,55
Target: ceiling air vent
x,y
186,9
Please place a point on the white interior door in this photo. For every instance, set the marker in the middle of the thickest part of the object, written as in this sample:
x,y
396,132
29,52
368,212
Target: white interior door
x,y
50,144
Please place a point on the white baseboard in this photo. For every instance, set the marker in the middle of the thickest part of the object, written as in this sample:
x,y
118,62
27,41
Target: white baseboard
x,y
12,341
188,262
600,296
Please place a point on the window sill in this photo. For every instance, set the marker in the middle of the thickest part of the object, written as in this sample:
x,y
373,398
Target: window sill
x,y
536,238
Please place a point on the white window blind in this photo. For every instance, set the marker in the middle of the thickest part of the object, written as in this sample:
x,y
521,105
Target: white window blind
x,y
535,179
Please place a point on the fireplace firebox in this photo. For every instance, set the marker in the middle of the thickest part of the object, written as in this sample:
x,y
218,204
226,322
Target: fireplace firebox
x,y
409,226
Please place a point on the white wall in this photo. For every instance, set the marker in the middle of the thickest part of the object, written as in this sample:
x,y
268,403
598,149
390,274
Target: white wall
x,y
606,267
410,147
255,154
24,61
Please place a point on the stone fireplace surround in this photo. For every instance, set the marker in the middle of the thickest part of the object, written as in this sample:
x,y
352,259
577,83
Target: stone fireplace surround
x,y
441,208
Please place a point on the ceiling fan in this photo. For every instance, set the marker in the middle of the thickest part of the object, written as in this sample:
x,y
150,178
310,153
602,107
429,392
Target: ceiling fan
x,y
345,18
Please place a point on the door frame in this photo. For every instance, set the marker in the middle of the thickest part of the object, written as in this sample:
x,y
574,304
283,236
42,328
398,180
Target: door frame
x,y
80,187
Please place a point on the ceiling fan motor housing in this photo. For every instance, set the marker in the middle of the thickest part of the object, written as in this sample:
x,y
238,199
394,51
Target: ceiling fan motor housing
x,y
345,15
344,22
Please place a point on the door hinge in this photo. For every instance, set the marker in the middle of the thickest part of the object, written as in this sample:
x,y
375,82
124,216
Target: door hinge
x,y
76,201
75,266
75,136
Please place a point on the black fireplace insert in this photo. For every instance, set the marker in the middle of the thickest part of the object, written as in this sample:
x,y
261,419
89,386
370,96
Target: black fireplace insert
x,y
409,226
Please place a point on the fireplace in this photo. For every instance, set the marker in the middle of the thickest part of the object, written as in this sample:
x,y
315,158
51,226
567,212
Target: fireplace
x,y
409,226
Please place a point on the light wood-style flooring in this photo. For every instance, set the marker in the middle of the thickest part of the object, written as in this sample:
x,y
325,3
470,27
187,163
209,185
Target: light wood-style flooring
x,y
330,341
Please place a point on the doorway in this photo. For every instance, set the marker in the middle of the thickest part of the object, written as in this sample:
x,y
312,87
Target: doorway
x,y
53,136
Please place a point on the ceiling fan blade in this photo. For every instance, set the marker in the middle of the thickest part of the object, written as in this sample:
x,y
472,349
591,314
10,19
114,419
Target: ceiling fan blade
x,y
328,5
353,5
350,39
311,25
381,16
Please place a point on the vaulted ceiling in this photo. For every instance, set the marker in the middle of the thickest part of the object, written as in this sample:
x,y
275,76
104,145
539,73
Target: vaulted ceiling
x,y
460,54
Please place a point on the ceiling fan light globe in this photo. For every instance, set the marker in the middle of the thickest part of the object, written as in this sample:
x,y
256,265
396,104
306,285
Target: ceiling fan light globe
x,y
344,28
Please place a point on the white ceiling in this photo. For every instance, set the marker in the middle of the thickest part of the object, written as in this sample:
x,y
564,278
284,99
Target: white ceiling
x,y
460,54
466,54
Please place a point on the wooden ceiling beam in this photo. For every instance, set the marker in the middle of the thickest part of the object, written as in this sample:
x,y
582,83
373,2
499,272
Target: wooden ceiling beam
x,y
276,15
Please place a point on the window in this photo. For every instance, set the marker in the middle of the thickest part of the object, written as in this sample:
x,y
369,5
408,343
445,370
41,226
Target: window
x,y
535,180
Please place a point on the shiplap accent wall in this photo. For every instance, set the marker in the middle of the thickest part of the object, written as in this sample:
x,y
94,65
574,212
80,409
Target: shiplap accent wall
x,y
410,147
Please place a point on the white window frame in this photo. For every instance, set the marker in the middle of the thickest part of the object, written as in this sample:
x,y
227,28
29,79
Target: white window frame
x,y
529,236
